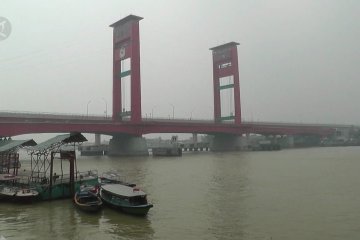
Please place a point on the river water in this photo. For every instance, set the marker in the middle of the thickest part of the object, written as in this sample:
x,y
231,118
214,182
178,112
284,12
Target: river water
x,y
308,193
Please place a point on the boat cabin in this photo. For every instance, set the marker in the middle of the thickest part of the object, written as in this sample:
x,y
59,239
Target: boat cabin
x,y
119,192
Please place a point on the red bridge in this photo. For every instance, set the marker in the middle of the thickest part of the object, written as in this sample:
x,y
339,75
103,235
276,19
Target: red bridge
x,y
12,124
127,125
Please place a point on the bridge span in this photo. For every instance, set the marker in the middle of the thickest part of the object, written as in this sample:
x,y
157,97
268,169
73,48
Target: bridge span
x,y
12,124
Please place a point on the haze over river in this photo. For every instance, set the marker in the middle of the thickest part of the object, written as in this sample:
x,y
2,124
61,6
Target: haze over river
x,y
310,193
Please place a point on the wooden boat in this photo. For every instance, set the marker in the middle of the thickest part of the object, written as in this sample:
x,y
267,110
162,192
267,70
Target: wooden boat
x,y
87,199
127,199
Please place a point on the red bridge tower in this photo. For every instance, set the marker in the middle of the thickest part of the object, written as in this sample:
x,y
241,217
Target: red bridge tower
x,y
126,50
225,67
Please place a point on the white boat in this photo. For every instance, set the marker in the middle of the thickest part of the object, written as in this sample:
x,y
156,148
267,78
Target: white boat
x,y
12,191
22,195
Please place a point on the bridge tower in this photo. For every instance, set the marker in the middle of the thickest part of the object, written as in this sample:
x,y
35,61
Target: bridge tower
x,y
126,72
126,65
226,79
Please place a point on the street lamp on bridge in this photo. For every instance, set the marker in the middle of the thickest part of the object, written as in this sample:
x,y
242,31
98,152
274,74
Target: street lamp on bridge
x,y
152,111
105,106
173,110
87,108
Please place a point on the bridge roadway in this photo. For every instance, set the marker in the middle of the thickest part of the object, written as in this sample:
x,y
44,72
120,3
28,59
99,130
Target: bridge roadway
x,y
17,123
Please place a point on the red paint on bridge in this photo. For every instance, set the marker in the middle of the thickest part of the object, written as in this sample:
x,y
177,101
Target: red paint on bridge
x,y
12,126
126,45
225,65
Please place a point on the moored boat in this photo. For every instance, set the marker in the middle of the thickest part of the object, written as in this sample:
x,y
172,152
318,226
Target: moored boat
x,y
12,189
127,199
87,199
25,195
16,194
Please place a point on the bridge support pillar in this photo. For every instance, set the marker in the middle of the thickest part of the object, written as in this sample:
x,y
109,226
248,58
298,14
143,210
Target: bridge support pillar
x,y
306,140
227,142
128,145
195,141
97,139
290,141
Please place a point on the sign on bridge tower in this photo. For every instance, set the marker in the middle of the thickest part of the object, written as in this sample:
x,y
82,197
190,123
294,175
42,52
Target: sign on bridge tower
x,y
126,69
226,83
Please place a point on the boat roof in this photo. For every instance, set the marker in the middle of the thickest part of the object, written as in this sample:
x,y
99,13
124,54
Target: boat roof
x,y
122,190
59,139
7,145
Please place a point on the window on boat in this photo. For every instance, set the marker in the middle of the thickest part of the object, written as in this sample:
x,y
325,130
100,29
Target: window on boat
x,y
138,200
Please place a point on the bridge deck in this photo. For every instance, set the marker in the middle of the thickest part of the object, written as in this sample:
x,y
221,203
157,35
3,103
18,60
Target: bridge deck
x,y
22,123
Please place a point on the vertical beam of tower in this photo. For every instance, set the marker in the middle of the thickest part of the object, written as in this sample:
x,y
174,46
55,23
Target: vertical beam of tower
x,y
225,64
126,44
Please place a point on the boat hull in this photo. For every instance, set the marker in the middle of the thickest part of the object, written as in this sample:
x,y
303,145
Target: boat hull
x,y
141,210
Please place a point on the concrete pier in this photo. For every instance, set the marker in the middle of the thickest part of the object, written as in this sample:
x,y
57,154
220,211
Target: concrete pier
x,y
97,139
290,141
128,145
227,142
195,141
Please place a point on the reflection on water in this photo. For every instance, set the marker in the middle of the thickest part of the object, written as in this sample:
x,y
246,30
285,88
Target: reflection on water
x,y
60,220
227,192
126,226
288,194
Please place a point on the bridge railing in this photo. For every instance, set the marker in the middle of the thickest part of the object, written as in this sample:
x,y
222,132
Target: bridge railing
x,y
49,115
93,117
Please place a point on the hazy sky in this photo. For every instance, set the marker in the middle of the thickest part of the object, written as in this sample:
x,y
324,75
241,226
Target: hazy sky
x,y
299,60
